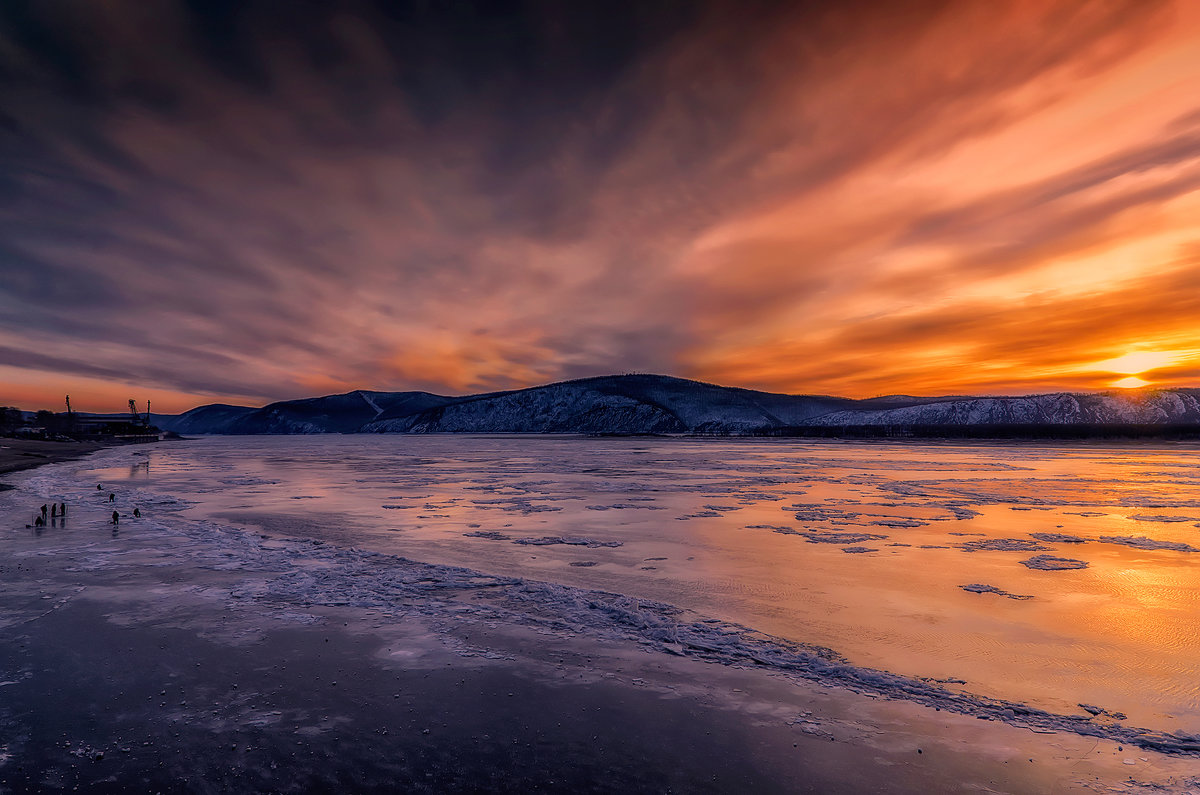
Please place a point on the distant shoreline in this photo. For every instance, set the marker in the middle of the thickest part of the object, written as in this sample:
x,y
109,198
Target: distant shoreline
x,y
985,431
21,454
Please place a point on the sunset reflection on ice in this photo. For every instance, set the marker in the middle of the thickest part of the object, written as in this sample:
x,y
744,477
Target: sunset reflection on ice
x,y
758,532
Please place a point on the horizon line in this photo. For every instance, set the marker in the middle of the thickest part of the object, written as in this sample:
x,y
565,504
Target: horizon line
x,y
1148,387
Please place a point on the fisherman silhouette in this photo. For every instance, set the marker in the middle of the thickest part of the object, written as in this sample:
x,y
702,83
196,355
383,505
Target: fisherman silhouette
x,y
97,487
137,514
44,507
116,517
62,510
38,521
54,510
112,497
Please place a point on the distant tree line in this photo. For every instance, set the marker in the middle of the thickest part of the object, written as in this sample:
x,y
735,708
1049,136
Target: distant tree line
x,y
10,419
13,420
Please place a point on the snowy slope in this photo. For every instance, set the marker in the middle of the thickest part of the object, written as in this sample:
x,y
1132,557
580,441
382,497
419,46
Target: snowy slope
x,y
1150,407
203,419
631,404
554,409
330,414
612,404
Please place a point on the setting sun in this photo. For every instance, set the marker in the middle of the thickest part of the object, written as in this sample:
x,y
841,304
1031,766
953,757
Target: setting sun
x,y
1138,362
1132,382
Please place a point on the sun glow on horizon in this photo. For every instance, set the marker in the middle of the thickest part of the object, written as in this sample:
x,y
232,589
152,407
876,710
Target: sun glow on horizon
x,y
1136,362
1132,382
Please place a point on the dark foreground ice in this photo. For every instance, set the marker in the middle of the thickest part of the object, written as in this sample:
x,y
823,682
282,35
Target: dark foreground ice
x,y
215,660
173,645
297,576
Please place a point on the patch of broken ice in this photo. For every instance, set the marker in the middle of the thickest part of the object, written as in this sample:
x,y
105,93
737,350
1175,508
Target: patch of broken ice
x,y
1051,563
1141,517
1002,545
1141,542
1058,538
815,537
983,588
575,541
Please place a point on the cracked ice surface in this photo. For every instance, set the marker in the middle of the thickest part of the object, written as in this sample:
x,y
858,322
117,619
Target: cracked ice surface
x,y
767,524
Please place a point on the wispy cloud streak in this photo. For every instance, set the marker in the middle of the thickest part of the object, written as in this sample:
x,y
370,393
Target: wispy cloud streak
x,y
210,203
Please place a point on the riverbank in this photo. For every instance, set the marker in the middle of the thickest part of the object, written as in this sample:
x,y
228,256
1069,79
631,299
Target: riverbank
x,y
175,656
21,454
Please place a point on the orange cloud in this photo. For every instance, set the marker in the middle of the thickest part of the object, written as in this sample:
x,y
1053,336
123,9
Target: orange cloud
x,y
999,259
854,200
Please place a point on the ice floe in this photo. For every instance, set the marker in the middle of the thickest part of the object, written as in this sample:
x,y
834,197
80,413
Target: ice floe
x,y
575,541
1058,538
982,588
1051,563
1002,545
1141,542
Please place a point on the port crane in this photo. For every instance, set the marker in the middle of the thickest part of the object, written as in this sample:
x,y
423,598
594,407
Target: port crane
x,y
138,419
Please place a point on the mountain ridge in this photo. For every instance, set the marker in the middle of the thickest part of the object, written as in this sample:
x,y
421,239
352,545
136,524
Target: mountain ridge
x,y
657,404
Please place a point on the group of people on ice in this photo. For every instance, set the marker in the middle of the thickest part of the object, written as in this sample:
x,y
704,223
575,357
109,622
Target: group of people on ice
x,y
58,510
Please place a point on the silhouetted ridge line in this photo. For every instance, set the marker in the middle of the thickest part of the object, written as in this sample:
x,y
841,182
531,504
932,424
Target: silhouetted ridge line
x,y
656,404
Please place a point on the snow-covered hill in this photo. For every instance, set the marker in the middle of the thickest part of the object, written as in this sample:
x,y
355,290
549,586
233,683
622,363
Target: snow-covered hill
x,y
203,419
633,404
330,414
612,404
1154,407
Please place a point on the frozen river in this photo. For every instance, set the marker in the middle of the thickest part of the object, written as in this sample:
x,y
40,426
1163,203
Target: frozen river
x,y
862,547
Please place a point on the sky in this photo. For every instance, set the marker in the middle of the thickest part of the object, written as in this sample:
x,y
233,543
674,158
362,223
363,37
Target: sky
x,y
245,201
